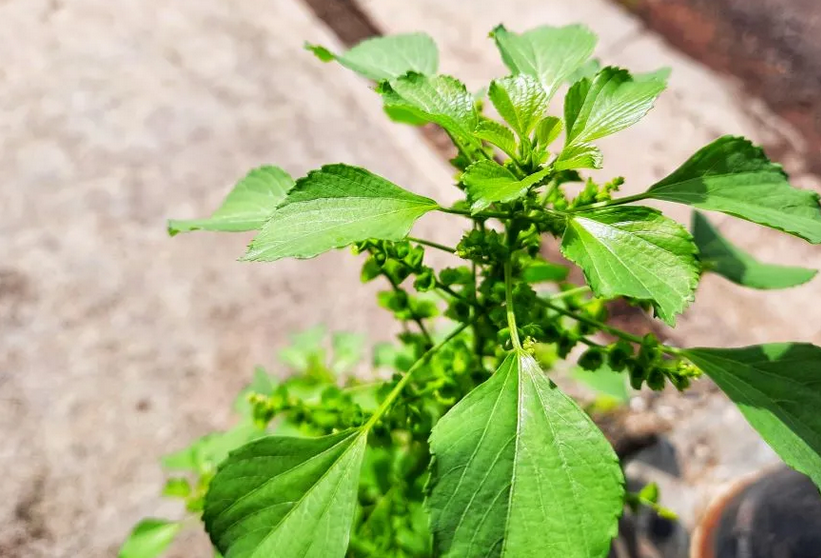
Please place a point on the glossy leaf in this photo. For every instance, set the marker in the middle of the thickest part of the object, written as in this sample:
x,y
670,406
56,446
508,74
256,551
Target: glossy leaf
x,y
149,539
581,156
248,205
548,130
635,252
549,54
443,100
778,389
520,100
520,470
286,497
335,206
387,57
497,134
610,102
488,182
734,176
719,255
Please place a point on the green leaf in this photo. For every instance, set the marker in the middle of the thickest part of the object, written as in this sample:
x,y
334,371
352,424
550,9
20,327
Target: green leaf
x,y
550,54
581,156
388,57
498,135
604,381
335,206
719,255
734,176
520,100
443,100
520,470
248,205
286,497
539,272
636,252
778,389
204,454
149,539
547,130
612,101
488,182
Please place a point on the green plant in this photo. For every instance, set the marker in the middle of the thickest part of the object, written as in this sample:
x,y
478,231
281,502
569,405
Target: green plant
x,y
470,449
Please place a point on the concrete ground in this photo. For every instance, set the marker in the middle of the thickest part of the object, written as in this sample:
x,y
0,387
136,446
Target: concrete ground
x,y
119,344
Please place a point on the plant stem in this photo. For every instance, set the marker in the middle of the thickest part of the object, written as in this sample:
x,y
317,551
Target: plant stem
x,y
420,324
608,328
442,287
480,215
610,203
511,316
591,322
570,292
400,385
432,244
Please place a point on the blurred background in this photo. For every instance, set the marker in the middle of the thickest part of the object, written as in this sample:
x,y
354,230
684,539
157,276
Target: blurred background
x,y
119,344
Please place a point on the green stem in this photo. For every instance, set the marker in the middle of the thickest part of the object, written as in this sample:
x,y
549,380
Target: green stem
x,y
591,322
480,215
611,203
604,327
417,320
432,244
442,287
511,316
569,293
400,385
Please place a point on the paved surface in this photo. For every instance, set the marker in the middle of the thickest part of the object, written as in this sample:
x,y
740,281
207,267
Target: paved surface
x,y
118,344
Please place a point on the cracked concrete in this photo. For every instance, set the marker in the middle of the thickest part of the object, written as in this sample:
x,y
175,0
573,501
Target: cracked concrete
x,y
119,344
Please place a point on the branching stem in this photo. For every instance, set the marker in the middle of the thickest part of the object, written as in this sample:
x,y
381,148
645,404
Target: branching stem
x,y
432,244
400,385
511,316
610,203
604,327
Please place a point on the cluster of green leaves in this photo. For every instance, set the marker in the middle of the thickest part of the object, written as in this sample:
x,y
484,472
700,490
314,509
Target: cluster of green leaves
x,y
470,449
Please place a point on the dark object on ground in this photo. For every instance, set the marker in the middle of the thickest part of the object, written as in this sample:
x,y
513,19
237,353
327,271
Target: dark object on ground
x,y
776,516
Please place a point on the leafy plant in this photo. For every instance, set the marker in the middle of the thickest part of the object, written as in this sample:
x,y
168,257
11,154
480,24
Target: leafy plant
x,y
469,448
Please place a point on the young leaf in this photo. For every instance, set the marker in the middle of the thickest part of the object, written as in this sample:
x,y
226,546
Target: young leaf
x,y
149,539
550,54
547,130
636,252
520,470
248,205
488,182
734,176
388,57
778,389
497,134
719,255
335,206
611,102
286,497
443,100
581,156
520,100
